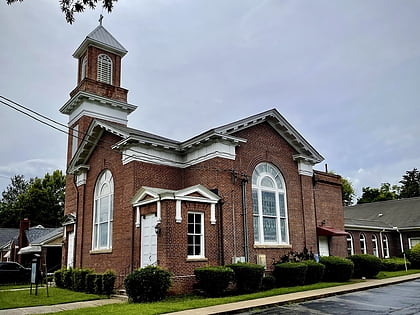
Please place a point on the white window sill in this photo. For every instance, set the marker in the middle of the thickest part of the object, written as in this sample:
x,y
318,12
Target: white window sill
x,y
272,246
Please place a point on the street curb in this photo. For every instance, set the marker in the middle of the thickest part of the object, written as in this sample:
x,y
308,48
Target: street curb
x,y
277,300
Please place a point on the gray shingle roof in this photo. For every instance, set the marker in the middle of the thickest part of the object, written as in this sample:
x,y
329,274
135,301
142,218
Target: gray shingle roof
x,y
402,213
7,234
39,234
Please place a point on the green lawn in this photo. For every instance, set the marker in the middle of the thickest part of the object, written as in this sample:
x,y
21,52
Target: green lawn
x,y
23,298
171,304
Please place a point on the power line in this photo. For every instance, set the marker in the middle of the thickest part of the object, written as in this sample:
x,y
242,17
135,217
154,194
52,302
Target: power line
x,y
32,114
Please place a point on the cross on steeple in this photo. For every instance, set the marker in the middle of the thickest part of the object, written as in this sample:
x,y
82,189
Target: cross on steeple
x,y
101,17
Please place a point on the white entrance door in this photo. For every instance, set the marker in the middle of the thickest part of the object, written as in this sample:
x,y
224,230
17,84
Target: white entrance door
x,y
70,250
324,249
148,240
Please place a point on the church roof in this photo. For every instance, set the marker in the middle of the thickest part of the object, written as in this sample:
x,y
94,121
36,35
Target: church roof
x,y
401,214
100,37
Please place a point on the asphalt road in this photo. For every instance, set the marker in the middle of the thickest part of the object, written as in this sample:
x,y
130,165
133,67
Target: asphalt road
x,y
398,299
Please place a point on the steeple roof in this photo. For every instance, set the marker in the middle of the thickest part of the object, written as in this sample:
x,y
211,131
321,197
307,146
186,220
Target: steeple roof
x,y
101,38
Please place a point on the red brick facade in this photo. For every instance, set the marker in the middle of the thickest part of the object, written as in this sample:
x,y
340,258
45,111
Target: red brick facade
x,y
311,198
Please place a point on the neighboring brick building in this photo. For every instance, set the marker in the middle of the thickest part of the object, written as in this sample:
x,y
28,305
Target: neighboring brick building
x,y
245,191
384,229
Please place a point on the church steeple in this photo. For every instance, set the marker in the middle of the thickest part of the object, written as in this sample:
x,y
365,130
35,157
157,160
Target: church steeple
x,y
99,93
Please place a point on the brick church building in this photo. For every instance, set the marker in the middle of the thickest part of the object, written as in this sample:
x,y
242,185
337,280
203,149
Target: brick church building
x,y
245,191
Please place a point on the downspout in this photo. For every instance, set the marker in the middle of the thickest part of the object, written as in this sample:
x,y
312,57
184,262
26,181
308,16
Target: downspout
x,y
221,247
244,181
75,224
303,212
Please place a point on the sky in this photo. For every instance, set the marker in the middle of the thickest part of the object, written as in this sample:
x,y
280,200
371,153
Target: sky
x,y
345,74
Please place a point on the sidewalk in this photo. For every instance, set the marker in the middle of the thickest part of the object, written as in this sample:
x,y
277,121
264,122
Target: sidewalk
x,y
231,307
295,297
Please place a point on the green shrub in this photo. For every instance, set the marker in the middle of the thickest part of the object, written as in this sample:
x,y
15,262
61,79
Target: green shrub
x,y
248,277
108,281
290,274
365,265
394,264
413,256
315,271
58,278
213,280
268,282
147,284
90,283
98,286
79,279
68,278
337,268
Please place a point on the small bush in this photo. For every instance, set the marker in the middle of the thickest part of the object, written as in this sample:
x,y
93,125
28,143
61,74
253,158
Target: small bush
x,y
248,277
315,272
90,283
365,265
394,264
413,256
68,278
290,274
79,279
58,278
268,282
337,268
213,280
98,286
108,281
147,284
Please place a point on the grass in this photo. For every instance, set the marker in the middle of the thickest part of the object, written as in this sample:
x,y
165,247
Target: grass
x,y
23,298
171,304
390,274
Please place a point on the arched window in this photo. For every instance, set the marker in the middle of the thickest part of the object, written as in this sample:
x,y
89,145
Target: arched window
x,y
375,245
104,69
84,67
350,247
362,243
269,205
385,246
103,212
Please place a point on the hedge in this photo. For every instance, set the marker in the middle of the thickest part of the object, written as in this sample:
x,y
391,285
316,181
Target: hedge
x,y
365,265
214,280
290,274
315,271
413,256
337,268
248,277
147,284
394,264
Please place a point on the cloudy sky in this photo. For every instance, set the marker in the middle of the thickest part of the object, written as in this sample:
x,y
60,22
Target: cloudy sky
x,y
345,74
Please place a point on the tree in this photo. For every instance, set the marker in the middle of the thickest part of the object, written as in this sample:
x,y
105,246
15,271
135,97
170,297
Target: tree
x,y
410,184
386,192
70,7
347,192
42,201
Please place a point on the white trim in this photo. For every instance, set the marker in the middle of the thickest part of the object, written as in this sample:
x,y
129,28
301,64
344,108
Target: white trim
x,y
178,215
213,213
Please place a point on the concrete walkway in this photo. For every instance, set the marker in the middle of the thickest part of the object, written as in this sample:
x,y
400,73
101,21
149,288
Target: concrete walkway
x,y
227,308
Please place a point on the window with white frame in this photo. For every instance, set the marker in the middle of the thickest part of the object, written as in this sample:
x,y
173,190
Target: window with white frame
x,y
103,212
363,243
413,241
385,245
195,235
350,246
375,245
269,206
84,67
104,69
